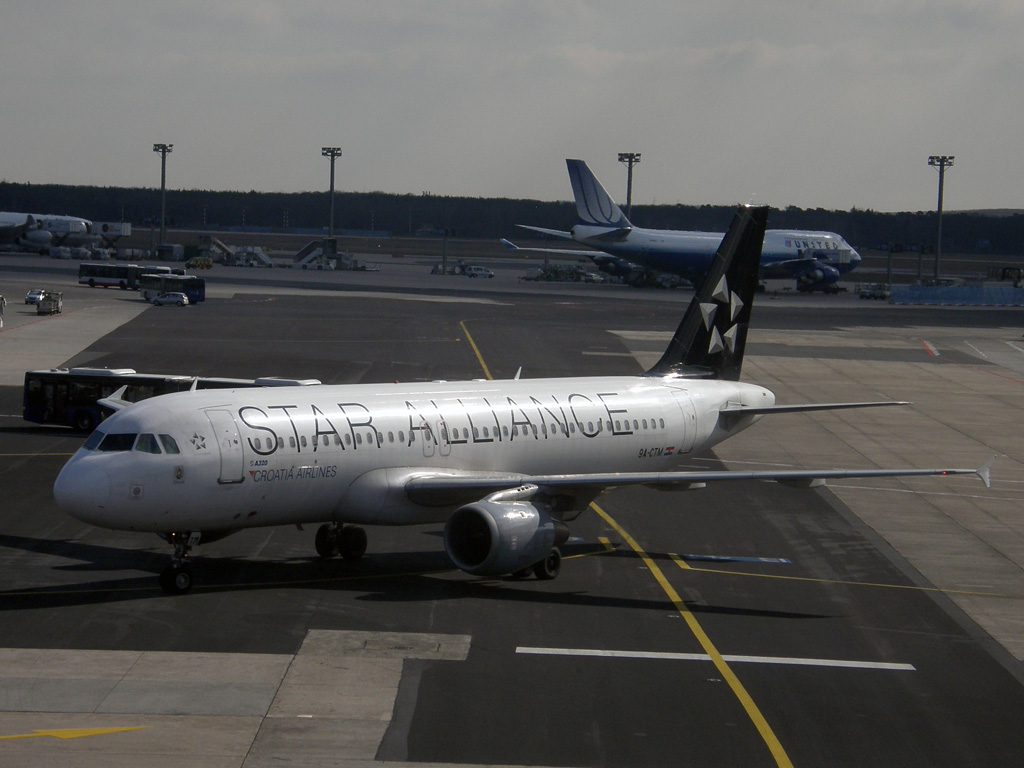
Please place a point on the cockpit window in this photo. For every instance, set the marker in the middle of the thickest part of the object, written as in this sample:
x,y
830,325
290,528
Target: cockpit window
x,y
147,443
117,441
170,446
94,440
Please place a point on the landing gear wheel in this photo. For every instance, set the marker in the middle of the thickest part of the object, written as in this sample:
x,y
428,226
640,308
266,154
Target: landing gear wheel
x,y
549,567
352,542
176,579
327,541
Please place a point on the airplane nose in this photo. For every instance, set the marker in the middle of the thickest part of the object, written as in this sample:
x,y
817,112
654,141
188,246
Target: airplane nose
x,y
82,490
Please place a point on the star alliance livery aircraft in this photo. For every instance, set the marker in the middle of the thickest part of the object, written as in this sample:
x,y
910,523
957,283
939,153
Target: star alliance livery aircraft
x,y
505,465
815,259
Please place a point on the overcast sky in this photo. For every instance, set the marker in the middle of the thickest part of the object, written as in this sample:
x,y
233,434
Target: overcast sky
x,y
815,104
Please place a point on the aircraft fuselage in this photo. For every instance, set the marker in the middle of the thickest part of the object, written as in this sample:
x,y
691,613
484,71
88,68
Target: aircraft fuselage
x,y
785,253
249,458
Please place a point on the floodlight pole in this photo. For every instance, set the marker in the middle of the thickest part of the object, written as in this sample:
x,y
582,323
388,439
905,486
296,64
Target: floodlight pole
x,y
164,150
630,159
942,162
333,153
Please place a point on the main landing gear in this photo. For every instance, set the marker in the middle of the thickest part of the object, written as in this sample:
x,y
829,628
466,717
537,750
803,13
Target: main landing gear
x,y
332,539
176,578
545,569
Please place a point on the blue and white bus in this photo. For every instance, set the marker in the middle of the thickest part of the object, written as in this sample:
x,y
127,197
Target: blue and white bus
x,y
152,285
69,397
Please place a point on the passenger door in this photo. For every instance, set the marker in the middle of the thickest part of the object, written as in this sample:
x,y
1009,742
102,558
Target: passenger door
x,y
225,431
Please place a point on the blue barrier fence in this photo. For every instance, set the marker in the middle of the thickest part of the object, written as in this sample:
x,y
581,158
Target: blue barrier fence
x,y
959,295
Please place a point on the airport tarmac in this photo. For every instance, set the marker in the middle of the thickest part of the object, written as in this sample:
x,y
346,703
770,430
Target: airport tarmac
x,y
875,622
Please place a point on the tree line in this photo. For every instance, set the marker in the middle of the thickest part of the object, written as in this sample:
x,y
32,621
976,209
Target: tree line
x,y
487,218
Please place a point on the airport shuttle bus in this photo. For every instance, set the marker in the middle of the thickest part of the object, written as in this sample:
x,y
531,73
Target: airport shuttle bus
x,y
152,285
108,275
69,397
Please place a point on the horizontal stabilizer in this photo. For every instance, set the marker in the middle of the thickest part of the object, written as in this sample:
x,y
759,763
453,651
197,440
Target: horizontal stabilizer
x,y
553,232
581,253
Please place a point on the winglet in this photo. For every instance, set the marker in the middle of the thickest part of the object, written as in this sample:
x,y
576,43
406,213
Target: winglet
x,y
115,401
985,472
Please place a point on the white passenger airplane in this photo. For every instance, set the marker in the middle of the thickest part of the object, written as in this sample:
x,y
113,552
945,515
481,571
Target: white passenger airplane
x,y
24,231
504,464
814,259
44,230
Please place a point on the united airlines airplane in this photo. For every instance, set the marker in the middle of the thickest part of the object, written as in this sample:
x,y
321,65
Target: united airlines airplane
x,y
504,465
815,259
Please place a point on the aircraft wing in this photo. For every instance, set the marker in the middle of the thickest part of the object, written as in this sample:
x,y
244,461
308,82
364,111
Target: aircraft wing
x,y
760,410
441,489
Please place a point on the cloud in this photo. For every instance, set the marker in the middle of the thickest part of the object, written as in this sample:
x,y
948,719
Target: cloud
x,y
804,103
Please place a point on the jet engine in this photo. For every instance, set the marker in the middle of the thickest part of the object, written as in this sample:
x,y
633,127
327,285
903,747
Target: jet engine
x,y
505,533
36,237
821,277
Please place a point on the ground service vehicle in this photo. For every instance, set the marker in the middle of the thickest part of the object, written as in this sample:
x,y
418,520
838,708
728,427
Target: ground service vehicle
x,y
50,303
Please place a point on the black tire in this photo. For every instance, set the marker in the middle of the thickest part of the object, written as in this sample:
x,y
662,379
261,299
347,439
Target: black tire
x,y
176,579
326,542
92,283
549,567
84,422
352,542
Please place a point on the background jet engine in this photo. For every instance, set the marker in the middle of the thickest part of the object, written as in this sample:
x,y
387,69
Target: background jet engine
x,y
820,277
491,538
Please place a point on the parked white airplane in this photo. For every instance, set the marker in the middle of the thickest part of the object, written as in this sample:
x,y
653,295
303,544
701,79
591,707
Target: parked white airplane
x,y
24,231
504,464
46,229
814,259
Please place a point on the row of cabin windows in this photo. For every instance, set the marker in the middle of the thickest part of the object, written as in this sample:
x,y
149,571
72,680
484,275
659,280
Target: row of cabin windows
x,y
456,434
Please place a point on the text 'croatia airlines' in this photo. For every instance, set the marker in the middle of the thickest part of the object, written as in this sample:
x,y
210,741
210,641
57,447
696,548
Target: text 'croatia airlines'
x,y
505,465
816,260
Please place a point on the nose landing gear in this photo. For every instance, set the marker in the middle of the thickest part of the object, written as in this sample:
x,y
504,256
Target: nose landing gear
x,y
176,578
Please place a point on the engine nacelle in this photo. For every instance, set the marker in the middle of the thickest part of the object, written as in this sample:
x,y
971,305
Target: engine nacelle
x,y
37,237
822,274
491,538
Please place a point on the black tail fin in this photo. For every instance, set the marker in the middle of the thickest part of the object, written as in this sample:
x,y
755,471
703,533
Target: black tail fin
x,y
709,341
